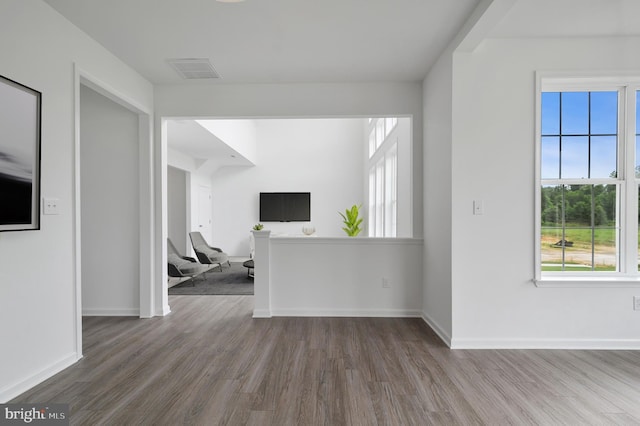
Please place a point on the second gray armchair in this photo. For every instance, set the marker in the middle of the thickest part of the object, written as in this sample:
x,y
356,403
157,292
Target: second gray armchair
x,y
207,254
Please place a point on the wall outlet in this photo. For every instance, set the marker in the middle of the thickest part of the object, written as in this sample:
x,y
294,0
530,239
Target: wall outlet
x,y
386,283
636,303
51,206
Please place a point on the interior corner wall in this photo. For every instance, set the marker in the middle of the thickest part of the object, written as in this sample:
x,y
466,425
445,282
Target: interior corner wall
x,y
37,268
437,89
109,206
495,302
177,208
320,156
304,100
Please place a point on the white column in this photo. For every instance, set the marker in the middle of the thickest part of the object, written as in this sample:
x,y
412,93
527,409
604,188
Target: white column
x,y
261,280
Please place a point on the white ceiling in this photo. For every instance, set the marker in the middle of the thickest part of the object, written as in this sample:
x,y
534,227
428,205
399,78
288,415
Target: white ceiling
x,y
266,41
193,140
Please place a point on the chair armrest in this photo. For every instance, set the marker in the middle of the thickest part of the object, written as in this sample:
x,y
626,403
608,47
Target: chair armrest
x,y
216,249
203,258
173,271
190,259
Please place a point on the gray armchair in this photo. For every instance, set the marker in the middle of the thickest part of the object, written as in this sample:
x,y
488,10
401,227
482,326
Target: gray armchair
x,y
206,253
182,266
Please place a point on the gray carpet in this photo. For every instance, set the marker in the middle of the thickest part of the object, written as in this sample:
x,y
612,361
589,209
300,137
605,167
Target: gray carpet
x,y
231,281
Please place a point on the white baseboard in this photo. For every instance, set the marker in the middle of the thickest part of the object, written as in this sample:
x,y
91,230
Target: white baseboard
x,y
261,313
574,344
166,310
107,312
7,393
442,334
384,313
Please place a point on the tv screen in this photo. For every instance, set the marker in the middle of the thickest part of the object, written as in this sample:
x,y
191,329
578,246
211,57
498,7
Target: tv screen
x,y
285,207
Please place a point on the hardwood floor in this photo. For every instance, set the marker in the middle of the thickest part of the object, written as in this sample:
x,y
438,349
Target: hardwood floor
x,y
210,363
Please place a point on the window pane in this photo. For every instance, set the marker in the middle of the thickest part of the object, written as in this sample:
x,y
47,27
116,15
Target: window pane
x,y
603,157
379,132
604,113
574,157
552,252
372,143
379,230
388,125
575,113
372,202
605,212
579,228
550,157
550,113
638,112
390,193
638,134
577,257
638,156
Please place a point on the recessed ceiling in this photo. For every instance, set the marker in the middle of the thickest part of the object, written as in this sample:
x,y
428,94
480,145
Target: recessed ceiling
x,y
267,41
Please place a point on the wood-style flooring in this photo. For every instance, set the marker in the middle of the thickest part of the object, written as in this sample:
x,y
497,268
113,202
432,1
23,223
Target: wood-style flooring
x,y
210,363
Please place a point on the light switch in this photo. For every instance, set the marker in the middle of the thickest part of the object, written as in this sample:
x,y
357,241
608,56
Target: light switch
x,y
478,207
51,206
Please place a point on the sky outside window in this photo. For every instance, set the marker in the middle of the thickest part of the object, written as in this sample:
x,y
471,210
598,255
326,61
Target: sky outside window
x,y
579,134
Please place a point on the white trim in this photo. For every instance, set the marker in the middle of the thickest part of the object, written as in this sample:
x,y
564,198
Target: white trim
x,y
166,310
146,235
111,312
575,344
626,83
77,238
7,393
537,257
346,240
261,313
586,80
442,334
587,282
330,312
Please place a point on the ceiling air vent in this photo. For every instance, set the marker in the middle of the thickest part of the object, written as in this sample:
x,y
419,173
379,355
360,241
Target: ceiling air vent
x,y
193,68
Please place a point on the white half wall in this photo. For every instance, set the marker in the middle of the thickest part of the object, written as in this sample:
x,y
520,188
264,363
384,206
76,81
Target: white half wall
x,y
320,156
495,303
372,277
38,297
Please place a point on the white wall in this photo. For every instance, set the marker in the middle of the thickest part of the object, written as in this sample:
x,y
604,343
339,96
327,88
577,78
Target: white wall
x,y
37,297
437,89
344,276
304,100
495,303
240,135
110,210
177,208
320,156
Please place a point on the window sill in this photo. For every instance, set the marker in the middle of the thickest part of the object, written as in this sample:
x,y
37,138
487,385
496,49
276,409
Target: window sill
x,y
587,282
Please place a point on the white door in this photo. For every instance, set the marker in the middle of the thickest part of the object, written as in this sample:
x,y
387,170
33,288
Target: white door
x,y
204,212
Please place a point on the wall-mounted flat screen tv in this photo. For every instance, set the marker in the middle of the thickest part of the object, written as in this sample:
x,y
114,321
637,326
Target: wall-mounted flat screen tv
x,y
285,207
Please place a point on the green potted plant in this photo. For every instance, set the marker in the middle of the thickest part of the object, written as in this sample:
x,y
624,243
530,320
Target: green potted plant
x,y
258,227
351,220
